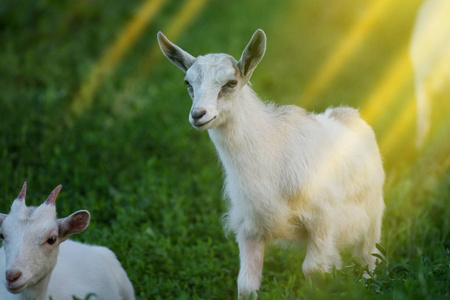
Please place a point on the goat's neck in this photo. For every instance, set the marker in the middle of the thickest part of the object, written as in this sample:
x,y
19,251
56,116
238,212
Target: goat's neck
x,y
37,291
247,130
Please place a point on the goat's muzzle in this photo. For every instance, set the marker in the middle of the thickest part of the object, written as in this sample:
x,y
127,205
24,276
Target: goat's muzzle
x,y
12,278
198,114
13,275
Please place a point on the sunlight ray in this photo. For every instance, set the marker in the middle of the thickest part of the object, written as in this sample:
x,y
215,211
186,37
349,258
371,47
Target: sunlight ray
x,y
115,52
185,16
404,121
343,52
395,77
440,142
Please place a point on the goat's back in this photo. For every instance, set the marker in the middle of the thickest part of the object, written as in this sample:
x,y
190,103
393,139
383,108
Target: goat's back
x,y
340,150
82,269
351,143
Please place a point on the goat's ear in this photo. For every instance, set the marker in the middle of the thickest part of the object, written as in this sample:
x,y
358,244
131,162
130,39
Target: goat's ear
x,y
2,218
175,54
75,223
253,53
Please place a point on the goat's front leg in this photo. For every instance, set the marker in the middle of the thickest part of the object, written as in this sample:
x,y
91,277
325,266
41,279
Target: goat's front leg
x,y
251,254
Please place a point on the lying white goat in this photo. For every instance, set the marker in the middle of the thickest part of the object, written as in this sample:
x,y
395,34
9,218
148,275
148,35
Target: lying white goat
x,y
289,174
37,267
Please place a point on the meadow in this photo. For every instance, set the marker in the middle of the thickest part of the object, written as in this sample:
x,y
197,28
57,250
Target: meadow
x,y
88,101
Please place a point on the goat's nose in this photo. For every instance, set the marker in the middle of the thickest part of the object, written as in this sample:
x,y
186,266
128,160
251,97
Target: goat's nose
x,y
198,114
13,275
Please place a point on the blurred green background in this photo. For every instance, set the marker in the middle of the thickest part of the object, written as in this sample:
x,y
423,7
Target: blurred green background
x,y
88,101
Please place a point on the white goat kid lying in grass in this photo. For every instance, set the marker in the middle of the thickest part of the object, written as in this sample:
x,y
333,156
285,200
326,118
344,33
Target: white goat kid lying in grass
x,y
289,174
37,267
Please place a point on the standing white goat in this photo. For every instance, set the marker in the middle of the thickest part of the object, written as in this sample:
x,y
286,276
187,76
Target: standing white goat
x,y
37,267
430,55
289,174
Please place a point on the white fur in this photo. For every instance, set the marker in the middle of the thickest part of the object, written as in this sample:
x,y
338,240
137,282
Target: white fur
x,y
430,55
60,270
289,174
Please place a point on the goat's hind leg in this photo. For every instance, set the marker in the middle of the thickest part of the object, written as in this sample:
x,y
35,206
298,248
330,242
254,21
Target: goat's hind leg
x,y
365,251
251,254
321,255
367,246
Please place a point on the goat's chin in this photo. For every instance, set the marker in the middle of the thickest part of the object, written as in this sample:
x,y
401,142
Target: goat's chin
x,y
16,288
21,284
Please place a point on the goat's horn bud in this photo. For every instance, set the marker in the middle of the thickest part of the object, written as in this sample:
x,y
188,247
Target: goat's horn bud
x,y
52,197
23,192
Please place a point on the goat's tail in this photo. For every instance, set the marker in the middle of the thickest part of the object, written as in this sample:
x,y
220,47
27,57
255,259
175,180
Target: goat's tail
x,y
346,115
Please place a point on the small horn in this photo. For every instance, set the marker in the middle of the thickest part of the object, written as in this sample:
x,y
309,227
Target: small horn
x,y
23,192
52,197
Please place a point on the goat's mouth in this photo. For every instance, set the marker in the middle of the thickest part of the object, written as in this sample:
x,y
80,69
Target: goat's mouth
x,y
203,125
16,288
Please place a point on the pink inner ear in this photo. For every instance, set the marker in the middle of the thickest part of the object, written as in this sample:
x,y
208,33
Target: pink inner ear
x,y
75,223
78,222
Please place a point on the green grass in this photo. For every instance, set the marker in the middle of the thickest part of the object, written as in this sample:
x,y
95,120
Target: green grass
x,y
154,185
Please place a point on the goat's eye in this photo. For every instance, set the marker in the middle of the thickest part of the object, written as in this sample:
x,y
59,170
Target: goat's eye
x,y
187,83
231,83
2,237
51,240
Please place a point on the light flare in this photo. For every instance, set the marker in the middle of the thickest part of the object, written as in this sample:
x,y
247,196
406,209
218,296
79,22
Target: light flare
x,y
115,52
184,17
404,121
430,55
344,51
392,81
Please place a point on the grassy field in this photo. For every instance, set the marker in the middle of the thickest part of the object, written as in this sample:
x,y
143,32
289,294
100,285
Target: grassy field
x,y
87,101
